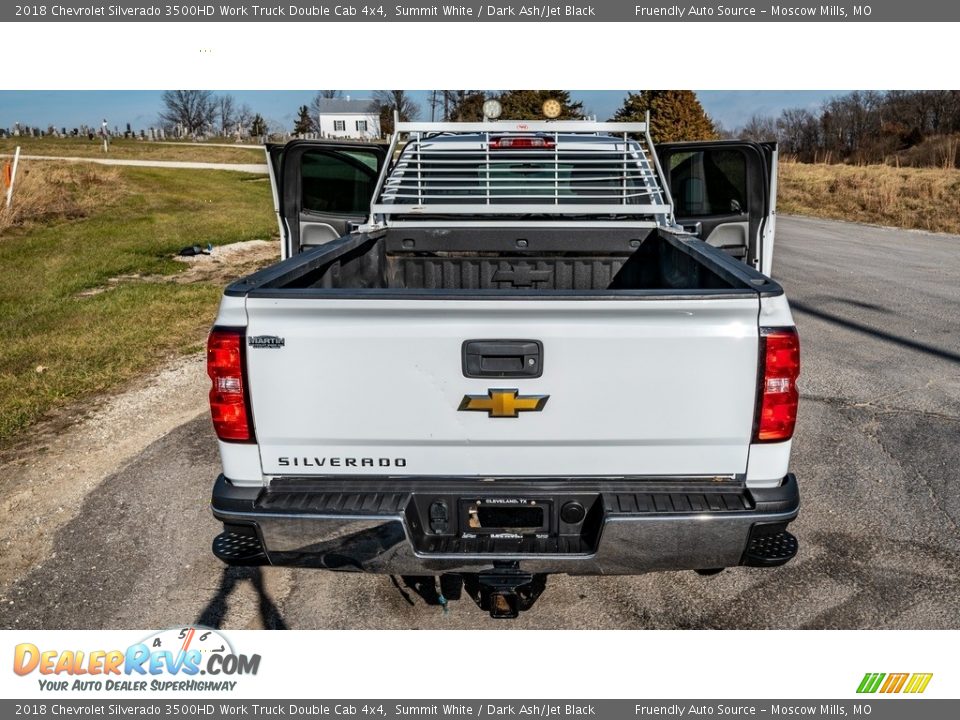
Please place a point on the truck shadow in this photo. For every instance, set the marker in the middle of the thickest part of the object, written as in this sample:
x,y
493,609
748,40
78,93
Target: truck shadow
x,y
215,610
933,350
434,591
425,587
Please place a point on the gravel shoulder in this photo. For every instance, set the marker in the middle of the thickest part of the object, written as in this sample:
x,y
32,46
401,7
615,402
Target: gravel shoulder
x,y
47,477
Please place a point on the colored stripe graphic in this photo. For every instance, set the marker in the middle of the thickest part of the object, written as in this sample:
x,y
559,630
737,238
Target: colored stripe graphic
x,y
894,683
870,682
918,682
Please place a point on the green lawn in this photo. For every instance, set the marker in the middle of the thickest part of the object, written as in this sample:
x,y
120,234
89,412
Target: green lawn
x,y
133,149
94,343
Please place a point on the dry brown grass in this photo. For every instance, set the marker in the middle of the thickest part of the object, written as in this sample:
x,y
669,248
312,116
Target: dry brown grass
x,y
133,149
915,198
939,151
47,191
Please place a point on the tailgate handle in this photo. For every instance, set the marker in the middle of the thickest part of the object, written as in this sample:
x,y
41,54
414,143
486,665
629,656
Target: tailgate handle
x,y
502,358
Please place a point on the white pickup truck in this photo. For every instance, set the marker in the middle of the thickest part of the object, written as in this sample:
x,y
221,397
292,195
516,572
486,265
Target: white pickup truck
x,y
495,351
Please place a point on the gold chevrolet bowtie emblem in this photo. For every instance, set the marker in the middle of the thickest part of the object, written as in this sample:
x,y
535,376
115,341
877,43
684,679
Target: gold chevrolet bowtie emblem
x,y
503,403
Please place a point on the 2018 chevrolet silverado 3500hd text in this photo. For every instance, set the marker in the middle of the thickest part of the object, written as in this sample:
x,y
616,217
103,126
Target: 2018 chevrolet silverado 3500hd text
x,y
495,351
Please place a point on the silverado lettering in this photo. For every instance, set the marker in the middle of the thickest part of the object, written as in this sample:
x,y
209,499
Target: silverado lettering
x,y
341,462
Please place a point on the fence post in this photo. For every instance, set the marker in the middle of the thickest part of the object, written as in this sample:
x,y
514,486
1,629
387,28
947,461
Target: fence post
x,y
13,175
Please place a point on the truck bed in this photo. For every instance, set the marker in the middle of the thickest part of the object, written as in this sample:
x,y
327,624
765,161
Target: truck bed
x,y
491,262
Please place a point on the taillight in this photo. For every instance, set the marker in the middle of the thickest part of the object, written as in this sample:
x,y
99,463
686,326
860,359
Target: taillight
x,y
777,396
520,143
228,395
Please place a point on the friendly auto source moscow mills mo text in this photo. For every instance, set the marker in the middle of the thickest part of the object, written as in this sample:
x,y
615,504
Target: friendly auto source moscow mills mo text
x,y
681,11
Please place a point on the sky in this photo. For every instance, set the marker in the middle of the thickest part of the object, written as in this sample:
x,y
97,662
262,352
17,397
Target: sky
x,y
140,108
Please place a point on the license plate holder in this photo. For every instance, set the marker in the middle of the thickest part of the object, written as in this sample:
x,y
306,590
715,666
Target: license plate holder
x,y
505,516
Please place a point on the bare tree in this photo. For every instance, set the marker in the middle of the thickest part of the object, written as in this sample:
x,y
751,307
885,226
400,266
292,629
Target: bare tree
x,y
387,102
193,110
244,118
799,132
851,122
277,129
397,100
759,128
329,94
226,113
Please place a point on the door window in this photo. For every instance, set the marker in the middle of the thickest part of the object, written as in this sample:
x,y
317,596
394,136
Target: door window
x,y
709,182
337,182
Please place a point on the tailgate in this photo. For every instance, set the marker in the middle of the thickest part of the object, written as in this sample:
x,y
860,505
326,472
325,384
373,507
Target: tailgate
x,y
373,387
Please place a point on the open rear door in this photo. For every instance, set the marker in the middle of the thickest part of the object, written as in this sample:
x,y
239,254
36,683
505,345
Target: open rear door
x,y
322,189
724,192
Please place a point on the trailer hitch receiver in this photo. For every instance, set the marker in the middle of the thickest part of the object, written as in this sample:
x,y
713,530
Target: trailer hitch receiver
x,y
504,591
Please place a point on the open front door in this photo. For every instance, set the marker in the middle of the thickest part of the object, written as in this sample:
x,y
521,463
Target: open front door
x,y
724,192
322,189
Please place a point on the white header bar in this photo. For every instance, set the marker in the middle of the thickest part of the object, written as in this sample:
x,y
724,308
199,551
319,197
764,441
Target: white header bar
x,y
523,126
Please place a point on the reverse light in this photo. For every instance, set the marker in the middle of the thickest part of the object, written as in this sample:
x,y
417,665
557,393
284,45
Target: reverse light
x,y
520,143
777,396
229,406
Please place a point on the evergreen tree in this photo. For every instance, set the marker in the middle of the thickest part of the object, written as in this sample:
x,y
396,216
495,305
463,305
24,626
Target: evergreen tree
x,y
467,106
674,115
258,126
304,123
528,104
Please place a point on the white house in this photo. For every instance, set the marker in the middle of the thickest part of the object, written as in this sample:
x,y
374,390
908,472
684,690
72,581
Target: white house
x,y
348,119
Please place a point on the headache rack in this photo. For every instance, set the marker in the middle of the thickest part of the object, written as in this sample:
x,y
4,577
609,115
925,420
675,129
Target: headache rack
x,y
597,170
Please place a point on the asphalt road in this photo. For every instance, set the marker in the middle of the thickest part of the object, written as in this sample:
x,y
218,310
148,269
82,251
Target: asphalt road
x,y
877,454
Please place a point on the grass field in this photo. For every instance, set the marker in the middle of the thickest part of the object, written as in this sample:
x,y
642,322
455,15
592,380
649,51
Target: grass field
x,y
133,150
916,198
61,344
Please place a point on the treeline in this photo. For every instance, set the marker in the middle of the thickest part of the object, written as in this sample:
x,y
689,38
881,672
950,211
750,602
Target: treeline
x,y
900,127
675,114
202,113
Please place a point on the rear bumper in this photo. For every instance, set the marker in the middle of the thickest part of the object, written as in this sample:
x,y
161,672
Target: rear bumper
x,y
629,527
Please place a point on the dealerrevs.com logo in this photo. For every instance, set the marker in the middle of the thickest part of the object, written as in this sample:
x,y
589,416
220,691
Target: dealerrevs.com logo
x,y
180,659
